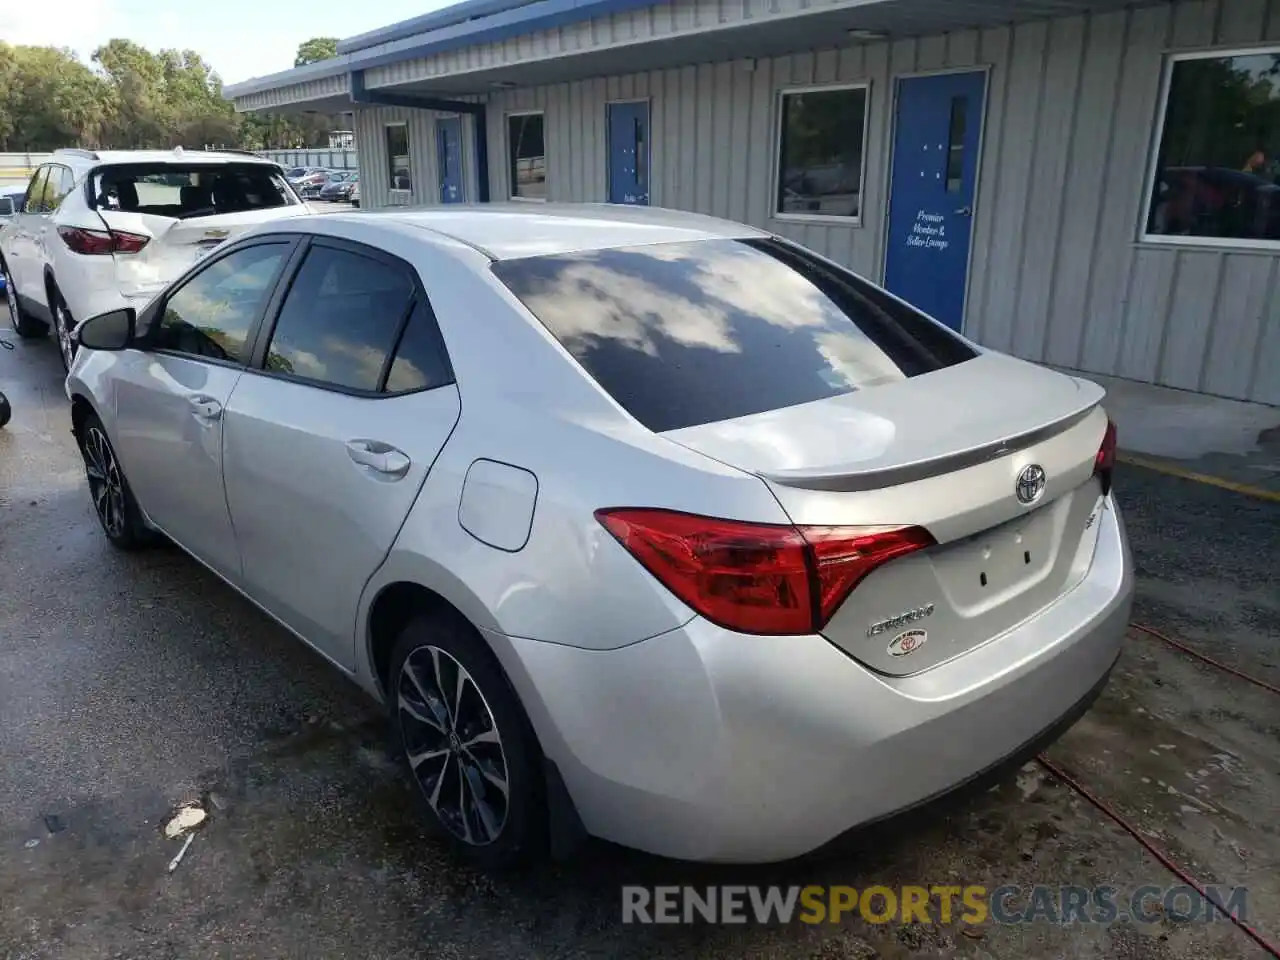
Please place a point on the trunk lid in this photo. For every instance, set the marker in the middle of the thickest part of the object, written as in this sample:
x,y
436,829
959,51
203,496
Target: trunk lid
x,y
943,451
176,243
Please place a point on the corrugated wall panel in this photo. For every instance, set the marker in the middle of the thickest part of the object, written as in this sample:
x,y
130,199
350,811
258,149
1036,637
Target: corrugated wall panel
x,y
1150,289
1143,37
1046,196
1013,186
1058,272
993,48
1086,169
1264,381
1245,296
1184,343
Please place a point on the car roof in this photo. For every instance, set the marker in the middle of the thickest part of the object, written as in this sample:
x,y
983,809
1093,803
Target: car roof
x,y
178,155
507,231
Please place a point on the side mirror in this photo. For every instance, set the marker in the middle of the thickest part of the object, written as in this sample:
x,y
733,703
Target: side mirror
x,y
107,331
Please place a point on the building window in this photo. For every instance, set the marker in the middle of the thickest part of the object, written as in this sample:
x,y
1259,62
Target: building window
x,y
527,155
1216,176
822,133
398,157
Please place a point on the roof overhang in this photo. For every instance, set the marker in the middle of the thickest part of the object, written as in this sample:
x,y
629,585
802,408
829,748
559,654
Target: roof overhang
x,y
461,50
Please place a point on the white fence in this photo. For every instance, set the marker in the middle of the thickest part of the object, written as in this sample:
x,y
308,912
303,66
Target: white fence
x,y
332,159
18,167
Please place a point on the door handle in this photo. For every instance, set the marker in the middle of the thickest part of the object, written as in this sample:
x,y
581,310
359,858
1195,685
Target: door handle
x,y
204,406
379,457
965,211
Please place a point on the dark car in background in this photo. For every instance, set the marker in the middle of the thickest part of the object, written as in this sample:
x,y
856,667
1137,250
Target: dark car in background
x,y
1215,202
309,186
339,187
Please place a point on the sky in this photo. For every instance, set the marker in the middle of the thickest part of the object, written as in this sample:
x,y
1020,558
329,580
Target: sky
x,y
238,38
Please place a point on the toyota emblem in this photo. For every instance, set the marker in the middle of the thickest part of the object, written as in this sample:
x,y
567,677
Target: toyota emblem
x,y
1030,485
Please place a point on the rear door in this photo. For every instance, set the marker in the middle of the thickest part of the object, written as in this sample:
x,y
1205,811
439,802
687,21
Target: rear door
x,y
171,398
331,435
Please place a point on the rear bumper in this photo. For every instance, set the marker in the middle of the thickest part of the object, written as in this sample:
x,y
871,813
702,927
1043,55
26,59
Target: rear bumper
x,y
704,744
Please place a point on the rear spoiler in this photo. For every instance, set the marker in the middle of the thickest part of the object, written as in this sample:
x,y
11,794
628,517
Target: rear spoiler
x,y
831,481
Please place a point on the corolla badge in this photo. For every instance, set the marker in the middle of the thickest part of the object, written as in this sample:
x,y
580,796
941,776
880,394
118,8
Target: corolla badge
x,y
1030,485
901,620
907,643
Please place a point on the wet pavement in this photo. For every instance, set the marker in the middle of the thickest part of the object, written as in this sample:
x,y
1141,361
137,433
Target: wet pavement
x,y
130,684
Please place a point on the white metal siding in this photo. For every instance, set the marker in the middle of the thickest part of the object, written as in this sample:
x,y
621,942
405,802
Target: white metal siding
x,y
1057,275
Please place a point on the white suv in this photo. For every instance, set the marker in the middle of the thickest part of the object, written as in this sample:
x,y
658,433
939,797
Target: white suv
x,y
109,229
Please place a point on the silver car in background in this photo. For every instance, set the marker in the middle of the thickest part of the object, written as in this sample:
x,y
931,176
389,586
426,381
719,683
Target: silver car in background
x,y
643,525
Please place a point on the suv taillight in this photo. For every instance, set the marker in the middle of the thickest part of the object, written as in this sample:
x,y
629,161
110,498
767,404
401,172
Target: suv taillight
x,y
755,577
1105,461
96,242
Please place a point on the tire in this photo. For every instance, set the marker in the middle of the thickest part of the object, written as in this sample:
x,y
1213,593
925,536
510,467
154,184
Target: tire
x,y
356,204
24,326
457,759
109,491
63,326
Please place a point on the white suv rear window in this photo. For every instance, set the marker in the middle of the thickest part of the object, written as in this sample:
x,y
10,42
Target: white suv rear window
x,y
183,191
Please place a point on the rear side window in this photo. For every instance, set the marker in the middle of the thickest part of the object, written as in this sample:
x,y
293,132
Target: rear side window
x,y
342,320
61,180
682,334
419,362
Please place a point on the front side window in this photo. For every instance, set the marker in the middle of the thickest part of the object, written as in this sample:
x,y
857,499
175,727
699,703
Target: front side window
x,y
398,157
820,152
682,334
527,156
1217,171
212,314
341,320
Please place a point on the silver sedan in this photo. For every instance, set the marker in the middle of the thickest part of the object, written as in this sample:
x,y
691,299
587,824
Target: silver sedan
x,y
643,525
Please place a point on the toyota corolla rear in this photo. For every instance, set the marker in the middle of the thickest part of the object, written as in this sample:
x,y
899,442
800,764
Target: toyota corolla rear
x,y
936,577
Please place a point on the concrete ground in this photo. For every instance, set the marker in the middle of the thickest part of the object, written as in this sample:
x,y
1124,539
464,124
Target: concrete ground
x,y
1236,442
129,684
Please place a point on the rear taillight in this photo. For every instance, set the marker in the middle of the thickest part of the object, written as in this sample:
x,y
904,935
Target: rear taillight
x,y
1104,463
96,242
755,577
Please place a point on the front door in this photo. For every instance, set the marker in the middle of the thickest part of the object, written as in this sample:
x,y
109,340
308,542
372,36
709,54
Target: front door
x,y
170,400
629,153
449,158
937,133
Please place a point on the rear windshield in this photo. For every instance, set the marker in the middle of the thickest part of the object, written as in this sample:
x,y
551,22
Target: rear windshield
x,y
190,190
682,334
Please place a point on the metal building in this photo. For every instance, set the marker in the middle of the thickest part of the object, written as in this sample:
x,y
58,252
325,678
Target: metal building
x,y
1087,183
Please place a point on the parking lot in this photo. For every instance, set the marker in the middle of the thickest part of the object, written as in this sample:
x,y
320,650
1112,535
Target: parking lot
x,y
131,683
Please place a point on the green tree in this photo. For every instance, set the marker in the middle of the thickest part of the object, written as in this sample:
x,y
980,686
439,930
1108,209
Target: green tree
x,y
315,50
134,98
47,96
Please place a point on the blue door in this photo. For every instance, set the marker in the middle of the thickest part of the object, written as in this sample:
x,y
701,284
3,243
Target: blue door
x,y
629,153
935,172
449,159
